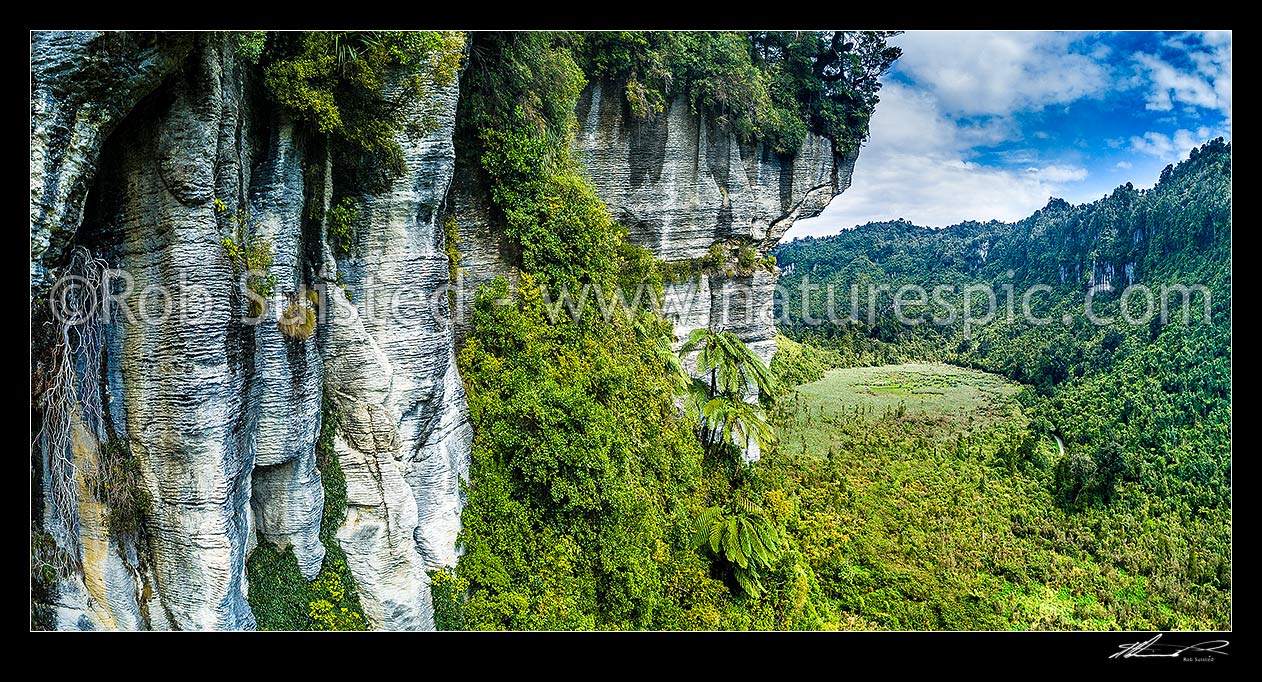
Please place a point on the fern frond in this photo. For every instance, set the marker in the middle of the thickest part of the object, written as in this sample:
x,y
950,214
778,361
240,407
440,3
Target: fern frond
x,y
748,582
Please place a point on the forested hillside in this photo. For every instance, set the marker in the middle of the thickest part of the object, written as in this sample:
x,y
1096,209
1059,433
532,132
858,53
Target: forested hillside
x,y
470,335
1143,407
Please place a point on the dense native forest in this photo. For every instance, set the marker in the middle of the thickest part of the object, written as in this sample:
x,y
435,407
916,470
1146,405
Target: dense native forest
x,y
595,500
933,476
606,489
1138,508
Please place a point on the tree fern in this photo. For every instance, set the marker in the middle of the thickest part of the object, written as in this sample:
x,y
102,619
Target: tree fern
x,y
740,536
721,395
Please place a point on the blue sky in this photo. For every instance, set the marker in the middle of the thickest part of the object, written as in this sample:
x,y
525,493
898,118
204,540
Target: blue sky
x,y
976,125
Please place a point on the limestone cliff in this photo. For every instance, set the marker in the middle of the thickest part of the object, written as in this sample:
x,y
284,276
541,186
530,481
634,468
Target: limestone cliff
x,y
681,184
145,148
148,150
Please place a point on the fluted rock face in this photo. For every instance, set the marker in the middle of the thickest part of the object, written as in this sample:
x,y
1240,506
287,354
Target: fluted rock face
x,y
144,146
210,405
483,252
82,85
222,415
681,184
288,496
391,367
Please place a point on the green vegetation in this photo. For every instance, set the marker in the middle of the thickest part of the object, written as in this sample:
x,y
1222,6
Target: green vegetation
x,y
731,377
298,322
252,254
770,86
606,488
795,363
746,256
341,221
743,537
735,257
587,482
117,484
589,486
935,391
280,597
580,471
47,561
447,593
360,87
248,44
944,517
1143,494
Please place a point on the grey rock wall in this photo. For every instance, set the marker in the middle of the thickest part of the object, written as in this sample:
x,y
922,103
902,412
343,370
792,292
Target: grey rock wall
x,y
681,184
135,136
82,85
134,140
391,368
189,389
484,255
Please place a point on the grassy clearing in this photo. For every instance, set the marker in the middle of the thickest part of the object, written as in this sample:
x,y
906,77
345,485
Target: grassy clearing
x,y
924,390
921,500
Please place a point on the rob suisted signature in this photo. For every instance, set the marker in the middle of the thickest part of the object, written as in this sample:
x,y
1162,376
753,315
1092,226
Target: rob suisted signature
x,y
1152,649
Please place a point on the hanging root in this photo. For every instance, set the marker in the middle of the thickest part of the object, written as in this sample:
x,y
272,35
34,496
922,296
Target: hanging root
x,y
76,299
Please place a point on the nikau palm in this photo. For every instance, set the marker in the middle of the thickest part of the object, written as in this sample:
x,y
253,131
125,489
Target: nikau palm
x,y
737,421
726,397
671,364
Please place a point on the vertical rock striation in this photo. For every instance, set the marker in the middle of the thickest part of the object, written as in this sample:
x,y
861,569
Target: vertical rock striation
x,y
188,392
288,496
390,363
82,85
681,184
484,255
144,149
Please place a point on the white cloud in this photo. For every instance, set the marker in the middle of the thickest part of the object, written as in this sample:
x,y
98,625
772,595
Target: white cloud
x,y
1171,147
917,167
1216,37
1205,82
999,72
1170,84
956,96
1057,173
1019,156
